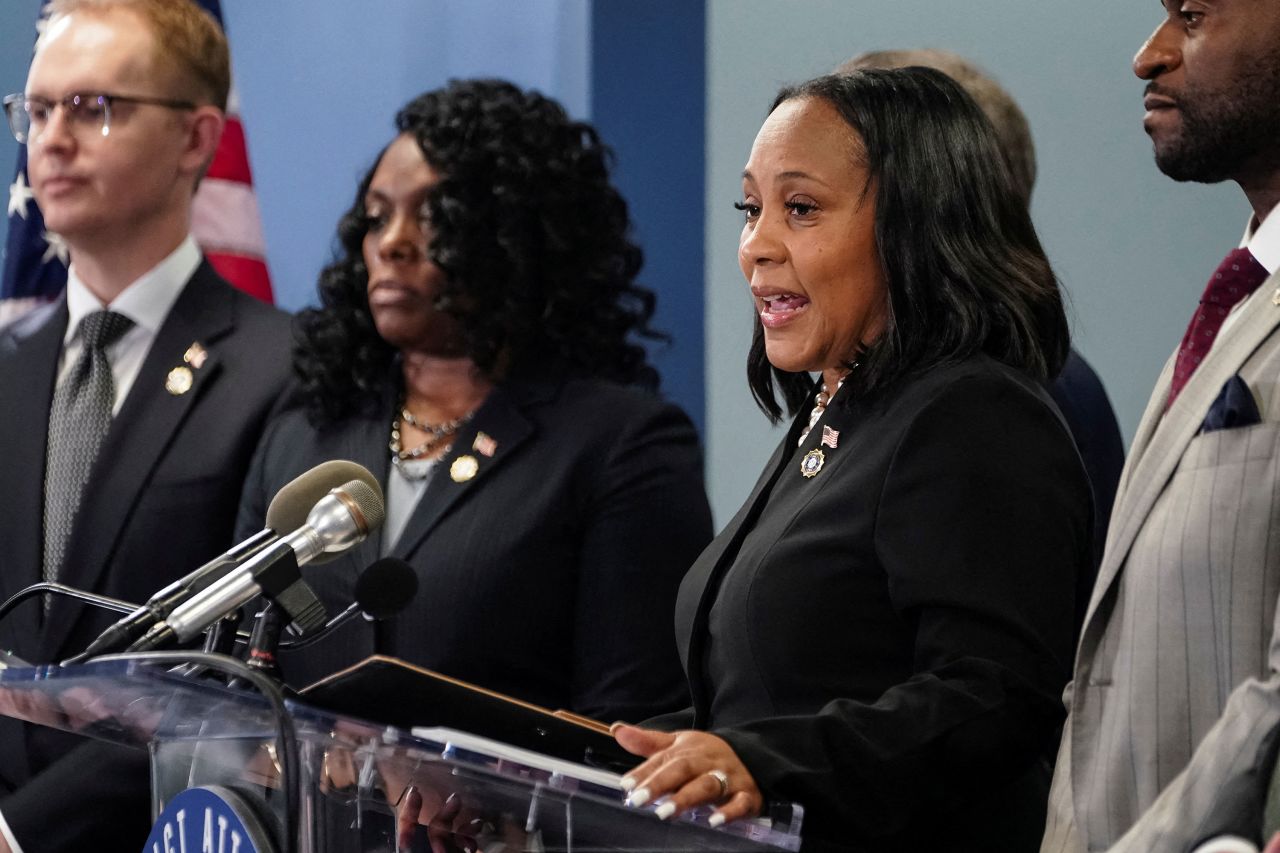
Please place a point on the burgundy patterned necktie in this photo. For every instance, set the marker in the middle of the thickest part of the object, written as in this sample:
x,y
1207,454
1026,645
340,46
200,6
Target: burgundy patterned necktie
x,y
1237,276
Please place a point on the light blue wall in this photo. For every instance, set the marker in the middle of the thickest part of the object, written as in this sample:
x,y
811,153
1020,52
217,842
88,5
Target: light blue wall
x,y
640,98
320,82
1132,248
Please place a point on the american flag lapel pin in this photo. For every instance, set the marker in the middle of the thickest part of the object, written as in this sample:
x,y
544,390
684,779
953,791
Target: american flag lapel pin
x,y
830,437
485,444
195,355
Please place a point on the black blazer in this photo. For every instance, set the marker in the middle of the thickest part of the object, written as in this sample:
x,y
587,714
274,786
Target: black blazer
x,y
885,641
161,501
550,575
1079,395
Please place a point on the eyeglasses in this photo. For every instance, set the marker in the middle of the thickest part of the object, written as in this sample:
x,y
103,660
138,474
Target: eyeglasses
x,y
90,111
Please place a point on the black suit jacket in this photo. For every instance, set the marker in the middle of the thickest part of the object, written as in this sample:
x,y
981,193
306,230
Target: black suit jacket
x,y
1079,395
161,501
885,642
551,574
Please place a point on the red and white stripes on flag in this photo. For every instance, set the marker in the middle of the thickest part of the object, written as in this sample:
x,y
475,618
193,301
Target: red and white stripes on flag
x,y
225,220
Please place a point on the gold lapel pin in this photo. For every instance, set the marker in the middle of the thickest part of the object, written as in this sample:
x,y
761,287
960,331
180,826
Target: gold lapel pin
x,y
464,468
1275,297
195,355
179,380
811,464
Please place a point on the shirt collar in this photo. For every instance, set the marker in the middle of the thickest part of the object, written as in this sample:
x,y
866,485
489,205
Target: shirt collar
x,y
1263,240
146,301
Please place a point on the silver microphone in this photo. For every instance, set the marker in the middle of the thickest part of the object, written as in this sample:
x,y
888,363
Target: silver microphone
x,y
338,521
288,510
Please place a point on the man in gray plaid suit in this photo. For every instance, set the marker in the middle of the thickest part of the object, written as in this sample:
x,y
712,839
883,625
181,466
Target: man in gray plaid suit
x,y
1176,689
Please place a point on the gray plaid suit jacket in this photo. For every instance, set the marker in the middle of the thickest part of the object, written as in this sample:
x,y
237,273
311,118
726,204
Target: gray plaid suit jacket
x,y
1177,676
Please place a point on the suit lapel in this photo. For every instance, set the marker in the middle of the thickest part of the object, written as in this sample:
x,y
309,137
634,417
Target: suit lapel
x,y
1161,441
707,572
31,350
1151,418
465,469
141,434
366,444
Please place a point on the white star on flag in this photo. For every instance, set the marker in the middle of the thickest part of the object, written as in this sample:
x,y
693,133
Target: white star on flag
x,y
56,249
19,195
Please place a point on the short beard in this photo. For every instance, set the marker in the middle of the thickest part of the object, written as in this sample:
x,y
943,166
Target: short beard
x,y
1226,134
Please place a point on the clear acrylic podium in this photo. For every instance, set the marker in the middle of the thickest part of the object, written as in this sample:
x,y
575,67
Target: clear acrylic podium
x,y
360,786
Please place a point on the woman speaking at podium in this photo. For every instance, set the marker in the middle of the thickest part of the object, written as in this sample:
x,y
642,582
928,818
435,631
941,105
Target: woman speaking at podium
x,y
883,631
479,348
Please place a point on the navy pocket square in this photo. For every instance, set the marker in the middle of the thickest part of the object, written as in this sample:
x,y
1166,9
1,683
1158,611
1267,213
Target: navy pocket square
x,y
1234,408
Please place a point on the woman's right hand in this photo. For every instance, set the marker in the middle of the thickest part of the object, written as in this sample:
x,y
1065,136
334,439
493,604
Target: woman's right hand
x,y
692,768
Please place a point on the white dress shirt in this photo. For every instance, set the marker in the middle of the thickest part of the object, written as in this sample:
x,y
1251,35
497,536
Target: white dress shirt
x,y
1263,242
146,302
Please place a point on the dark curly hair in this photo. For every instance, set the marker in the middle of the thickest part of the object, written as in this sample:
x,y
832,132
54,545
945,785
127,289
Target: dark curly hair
x,y
531,237
964,269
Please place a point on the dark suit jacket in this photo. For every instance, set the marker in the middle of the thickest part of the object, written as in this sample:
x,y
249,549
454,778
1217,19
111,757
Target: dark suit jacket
x,y
1079,395
885,642
161,500
551,575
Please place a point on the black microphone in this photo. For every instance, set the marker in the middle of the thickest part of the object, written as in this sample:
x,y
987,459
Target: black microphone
x,y
385,588
382,590
338,521
288,511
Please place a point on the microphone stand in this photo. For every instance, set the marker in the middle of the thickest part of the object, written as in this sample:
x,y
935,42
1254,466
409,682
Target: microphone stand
x,y
274,694
103,601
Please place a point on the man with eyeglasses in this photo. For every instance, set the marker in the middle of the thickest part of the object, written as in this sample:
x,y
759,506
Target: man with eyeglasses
x,y
131,407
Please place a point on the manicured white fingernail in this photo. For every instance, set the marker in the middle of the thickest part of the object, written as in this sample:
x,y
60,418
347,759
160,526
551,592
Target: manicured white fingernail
x,y
716,819
639,797
627,782
665,810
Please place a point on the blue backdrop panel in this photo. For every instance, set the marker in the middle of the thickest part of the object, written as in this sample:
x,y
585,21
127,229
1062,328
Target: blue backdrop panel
x,y
648,90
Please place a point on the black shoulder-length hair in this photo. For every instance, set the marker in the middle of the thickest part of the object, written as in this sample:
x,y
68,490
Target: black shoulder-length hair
x,y
964,269
532,239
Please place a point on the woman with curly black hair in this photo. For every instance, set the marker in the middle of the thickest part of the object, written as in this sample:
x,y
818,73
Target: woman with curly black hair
x,y
477,348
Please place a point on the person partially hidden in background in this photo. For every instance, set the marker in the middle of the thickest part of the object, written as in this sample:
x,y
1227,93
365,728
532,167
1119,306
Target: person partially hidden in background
x,y
479,347
132,405
1076,389
882,633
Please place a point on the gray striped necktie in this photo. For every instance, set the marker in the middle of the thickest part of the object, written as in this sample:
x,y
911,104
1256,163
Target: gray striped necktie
x,y
78,420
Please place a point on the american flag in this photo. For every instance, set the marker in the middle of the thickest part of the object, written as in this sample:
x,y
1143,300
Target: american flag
x,y
484,444
225,223
830,437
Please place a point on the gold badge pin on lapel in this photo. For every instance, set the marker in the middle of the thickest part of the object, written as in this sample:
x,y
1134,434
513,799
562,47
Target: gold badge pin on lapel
x,y
811,464
178,382
195,355
464,468
1275,297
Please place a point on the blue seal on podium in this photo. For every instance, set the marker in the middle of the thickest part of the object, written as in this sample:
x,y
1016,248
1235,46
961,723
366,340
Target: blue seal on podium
x,y
211,819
